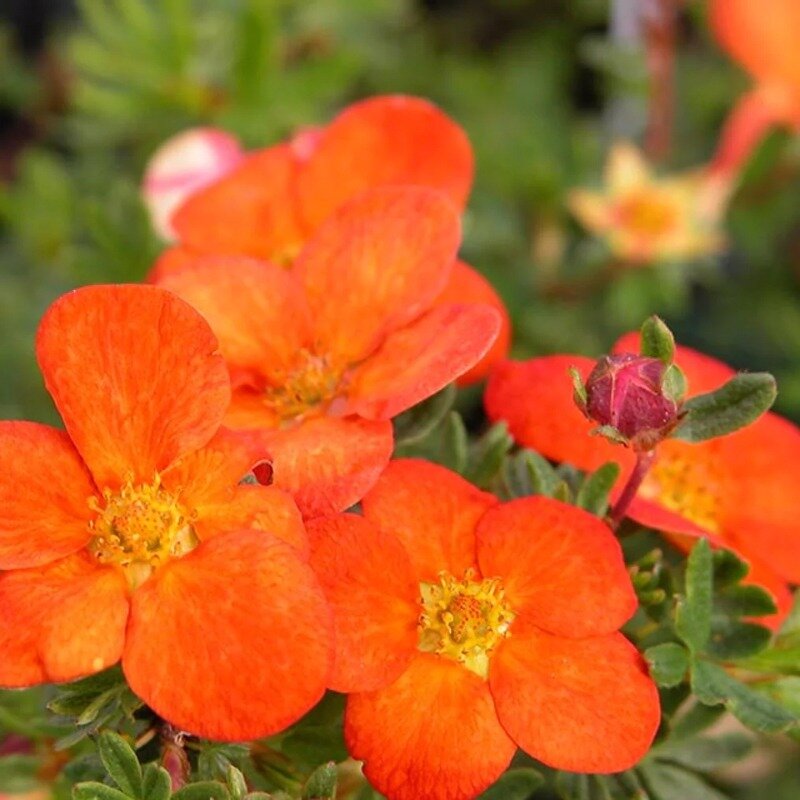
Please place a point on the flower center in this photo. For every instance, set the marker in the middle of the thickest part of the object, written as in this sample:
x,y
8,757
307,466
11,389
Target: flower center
x,y
139,529
647,213
688,486
311,384
464,620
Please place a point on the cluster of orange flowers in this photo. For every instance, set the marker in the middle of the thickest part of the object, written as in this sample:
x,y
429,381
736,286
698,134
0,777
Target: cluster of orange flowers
x,y
190,523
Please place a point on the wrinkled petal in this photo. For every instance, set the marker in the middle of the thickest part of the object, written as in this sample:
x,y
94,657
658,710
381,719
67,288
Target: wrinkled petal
x,y
375,265
380,141
556,561
467,285
135,373
583,705
231,642
256,310
434,513
44,496
249,212
329,463
61,621
433,733
417,361
367,578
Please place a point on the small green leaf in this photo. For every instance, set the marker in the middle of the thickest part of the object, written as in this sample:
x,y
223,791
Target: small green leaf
x,y
657,340
743,601
731,639
573,786
97,791
668,663
455,443
543,477
578,389
594,491
321,784
516,784
667,781
120,762
237,785
697,719
487,454
693,615
729,569
156,783
205,790
712,685
416,423
741,401
703,752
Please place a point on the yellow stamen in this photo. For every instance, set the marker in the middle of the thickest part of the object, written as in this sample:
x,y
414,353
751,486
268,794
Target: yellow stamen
x,y
647,213
464,620
140,528
311,385
689,487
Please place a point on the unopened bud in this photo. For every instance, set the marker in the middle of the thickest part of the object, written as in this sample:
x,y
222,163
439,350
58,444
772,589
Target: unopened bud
x,y
182,166
626,394
176,763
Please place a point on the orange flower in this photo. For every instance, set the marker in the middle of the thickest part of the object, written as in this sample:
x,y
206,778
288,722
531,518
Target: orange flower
x,y
762,37
272,203
465,628
325,355
644,218
739,491
129,537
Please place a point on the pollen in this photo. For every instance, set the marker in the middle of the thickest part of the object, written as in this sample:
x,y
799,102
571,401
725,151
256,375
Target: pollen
x,y
464,620
648,213
310,386
139,528
690,487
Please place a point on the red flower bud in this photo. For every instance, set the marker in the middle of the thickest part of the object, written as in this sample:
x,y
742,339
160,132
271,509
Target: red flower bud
x,y
626,392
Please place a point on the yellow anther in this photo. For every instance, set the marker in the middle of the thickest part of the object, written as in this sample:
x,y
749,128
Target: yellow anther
x,y
311,384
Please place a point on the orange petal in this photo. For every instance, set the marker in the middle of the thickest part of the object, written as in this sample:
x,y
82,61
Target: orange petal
x,y
172,260
555,562
135,374
467,285
61,621
583,705
433,733
44,494
535,398
231,642
417,361
329,463
249,212
433,512
375,265
256,309
367,578
381,141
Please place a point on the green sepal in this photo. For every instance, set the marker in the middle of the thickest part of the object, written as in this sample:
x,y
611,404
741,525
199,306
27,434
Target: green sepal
x,y
578,389
594,491
674,384
415,424
693,614
120,762
657,340
97,791
668,663
609,432
741,401
516,784
321,784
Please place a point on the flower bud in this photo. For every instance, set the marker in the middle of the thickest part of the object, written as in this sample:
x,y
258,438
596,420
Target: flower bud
x,y
183,165
626,393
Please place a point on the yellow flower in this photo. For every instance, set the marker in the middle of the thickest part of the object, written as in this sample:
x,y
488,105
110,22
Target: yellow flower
x,y
646,218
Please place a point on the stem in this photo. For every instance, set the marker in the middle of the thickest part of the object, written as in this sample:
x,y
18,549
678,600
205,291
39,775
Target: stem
x,y
644,460
659,20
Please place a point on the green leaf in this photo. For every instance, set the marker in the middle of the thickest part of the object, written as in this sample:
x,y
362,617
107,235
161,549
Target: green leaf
x,y
673,384
573,786
487,454
668,782
697,719
205,790
120,762
731,639
705,753
693,615
321,784
743,601
712,685
516,784
455,443
416,423
97,791
237,785
668,663
594,491
742,400
156,783
18,773
729,569
541,474
657,340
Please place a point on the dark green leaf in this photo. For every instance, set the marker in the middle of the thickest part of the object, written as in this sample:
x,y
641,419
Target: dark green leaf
x,y
455,443
698,718
321,784
97,791
742,400
668,782
744,601
121,763
516,784
156,783
731,639
668,663
729,569
487,454
206,790
712,685
657,340
416,423
704,753
594,491
542,476
573,786
693,615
